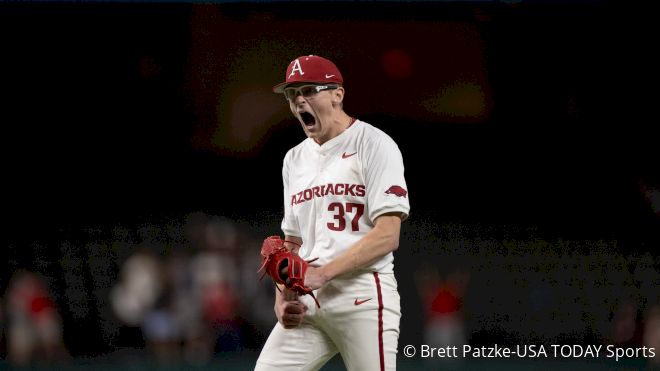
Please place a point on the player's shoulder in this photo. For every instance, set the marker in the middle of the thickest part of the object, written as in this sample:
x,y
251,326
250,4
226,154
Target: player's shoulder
x,y
373,136
296,151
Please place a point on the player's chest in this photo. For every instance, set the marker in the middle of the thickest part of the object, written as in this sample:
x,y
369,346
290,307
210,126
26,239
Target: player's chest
x,y
321,169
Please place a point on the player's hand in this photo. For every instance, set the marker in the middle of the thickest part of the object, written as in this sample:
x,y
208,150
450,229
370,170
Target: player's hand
x,y
314,277
288,309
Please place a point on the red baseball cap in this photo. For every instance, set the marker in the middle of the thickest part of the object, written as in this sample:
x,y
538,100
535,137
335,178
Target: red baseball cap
x,y
311,69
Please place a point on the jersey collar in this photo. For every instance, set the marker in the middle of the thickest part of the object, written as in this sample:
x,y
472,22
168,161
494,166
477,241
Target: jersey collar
x,y
334,142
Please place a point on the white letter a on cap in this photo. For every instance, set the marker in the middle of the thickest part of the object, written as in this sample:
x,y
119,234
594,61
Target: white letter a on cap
x,y
296,67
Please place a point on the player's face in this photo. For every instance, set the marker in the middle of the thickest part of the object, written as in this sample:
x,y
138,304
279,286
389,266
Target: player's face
x,y
313,106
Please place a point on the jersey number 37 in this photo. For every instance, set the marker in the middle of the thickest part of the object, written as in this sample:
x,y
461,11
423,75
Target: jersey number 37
x,y
339,211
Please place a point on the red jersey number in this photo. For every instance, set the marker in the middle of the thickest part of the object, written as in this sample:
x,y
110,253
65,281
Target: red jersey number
x,y
340,215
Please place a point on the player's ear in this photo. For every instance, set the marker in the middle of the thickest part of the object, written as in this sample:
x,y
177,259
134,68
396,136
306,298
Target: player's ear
x,y
337,95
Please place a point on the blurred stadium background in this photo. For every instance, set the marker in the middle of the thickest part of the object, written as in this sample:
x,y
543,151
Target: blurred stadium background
x,y
143,151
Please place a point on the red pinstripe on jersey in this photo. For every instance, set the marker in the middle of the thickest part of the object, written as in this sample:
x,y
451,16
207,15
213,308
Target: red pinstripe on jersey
x,y
380,323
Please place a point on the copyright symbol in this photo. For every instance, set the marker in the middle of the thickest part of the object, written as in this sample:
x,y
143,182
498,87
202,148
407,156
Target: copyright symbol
x,y
409,351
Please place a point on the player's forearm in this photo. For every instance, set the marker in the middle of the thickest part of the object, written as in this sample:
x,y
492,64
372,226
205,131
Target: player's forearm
x,y
380,241
283,294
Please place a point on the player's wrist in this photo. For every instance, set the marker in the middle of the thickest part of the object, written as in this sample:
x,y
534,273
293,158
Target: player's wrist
x,y
324,272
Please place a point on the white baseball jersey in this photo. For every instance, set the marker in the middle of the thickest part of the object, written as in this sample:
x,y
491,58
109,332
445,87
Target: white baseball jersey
x,y
334,192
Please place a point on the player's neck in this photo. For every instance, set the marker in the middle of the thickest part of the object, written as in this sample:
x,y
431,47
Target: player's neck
x,y
340,122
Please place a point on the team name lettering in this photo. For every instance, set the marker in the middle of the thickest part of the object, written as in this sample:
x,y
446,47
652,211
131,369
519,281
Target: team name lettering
x,y
339,189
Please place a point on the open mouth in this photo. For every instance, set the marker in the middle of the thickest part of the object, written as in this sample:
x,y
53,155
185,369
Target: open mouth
x,y
307,118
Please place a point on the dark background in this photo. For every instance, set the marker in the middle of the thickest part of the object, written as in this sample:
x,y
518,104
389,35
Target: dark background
x,y
131,113
103,109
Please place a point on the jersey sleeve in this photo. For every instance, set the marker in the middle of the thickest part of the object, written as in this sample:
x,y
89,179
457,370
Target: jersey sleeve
x,y
289,223
385,183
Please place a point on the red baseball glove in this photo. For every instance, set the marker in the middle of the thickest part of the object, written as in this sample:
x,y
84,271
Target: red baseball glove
x,y
275,258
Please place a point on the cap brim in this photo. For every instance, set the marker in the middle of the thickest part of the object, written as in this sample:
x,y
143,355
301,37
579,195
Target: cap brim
x,y
279,88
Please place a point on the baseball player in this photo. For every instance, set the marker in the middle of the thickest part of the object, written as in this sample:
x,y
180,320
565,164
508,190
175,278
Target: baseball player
x,y
345,197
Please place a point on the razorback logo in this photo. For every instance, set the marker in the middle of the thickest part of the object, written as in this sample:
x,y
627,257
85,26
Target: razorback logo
x,y
397,191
